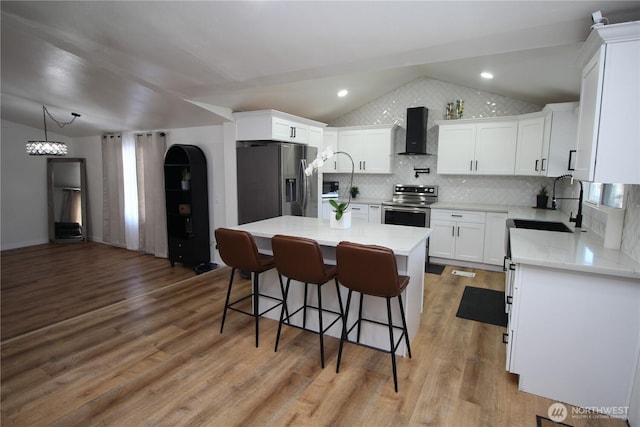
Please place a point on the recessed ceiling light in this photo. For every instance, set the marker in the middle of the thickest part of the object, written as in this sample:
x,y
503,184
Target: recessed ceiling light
x,y
486,75
343,93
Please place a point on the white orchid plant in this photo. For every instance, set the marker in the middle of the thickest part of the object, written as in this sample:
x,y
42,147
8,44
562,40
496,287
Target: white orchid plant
x,y
323,156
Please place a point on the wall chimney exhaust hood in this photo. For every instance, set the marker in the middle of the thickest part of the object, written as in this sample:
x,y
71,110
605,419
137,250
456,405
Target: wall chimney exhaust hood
x,y
416,142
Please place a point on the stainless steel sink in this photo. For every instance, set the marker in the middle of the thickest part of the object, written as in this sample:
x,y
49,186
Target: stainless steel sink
x,y
541,225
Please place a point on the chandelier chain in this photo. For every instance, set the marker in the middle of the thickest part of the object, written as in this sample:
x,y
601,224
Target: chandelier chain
x,y
61,124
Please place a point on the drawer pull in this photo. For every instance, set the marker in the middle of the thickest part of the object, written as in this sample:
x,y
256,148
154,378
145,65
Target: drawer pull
x,y
509,299
505,338
456,215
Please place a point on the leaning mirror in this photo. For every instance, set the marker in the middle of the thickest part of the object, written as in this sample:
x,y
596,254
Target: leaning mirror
x,y
67,200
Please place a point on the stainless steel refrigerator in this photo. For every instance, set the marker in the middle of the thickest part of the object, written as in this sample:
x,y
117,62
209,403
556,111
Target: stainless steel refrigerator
x,y
271,181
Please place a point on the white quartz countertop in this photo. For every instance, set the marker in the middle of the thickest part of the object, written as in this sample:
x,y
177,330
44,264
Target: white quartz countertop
x,y
577,251
401,239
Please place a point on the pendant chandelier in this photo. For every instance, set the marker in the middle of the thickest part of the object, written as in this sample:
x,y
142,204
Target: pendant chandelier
x,y
46,147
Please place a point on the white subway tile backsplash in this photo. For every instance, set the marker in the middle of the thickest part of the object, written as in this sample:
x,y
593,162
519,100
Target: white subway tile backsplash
x,y
391,108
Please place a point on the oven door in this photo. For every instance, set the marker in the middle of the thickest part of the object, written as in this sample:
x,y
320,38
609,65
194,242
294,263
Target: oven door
x,y
413,217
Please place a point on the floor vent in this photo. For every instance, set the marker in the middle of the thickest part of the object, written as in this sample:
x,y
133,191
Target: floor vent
x,y
463,273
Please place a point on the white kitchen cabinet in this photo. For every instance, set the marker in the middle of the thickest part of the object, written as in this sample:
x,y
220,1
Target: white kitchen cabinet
x,y
529,157
330,139
608,146
494,238
558,322
457,235
547,141
275,125
369,146
359,212
316,138
479,147
560,140
375,214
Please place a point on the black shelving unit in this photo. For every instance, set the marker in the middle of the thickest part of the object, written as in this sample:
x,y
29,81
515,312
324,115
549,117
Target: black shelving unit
x,y
187,207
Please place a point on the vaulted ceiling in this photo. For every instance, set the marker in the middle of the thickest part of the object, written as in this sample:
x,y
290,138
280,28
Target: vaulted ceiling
x,y
157,65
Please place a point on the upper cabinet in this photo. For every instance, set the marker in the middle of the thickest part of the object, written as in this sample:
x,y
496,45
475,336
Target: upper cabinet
x,y
370,147
483,147
530,159
608,146
547,141
265,125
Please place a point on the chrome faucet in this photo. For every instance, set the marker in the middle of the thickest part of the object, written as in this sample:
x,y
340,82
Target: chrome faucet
x,y
554,200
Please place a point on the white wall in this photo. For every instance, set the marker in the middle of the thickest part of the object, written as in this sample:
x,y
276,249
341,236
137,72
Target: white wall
x,y
24,194
24,214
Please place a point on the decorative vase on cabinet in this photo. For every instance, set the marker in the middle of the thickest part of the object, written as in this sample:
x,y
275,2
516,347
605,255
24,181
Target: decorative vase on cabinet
x,y
187,205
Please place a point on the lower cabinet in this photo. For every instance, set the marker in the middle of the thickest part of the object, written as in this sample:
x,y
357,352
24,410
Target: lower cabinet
x,y
573,336
457,235
360,212
494,238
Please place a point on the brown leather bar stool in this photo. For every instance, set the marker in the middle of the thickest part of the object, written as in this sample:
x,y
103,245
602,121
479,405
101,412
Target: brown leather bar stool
x,y
300,259
239,251
372,270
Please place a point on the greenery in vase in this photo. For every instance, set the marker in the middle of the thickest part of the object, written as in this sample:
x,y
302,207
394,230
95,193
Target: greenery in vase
x,y
324,155
186,175
354,192
543,191
339,208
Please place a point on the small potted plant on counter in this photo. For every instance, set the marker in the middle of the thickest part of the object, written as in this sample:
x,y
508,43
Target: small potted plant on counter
x,y
354,192
542,198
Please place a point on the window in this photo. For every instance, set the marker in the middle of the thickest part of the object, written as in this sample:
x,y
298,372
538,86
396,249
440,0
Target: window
x,y
606,194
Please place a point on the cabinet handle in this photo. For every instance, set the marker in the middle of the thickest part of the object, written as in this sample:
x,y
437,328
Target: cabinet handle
x,y
505,338
536,166
335,165
476,165
354,209
509,300
512,267
364,165
456,215
458,231
504,263
374,207
571,153
471,165
453,231
542,166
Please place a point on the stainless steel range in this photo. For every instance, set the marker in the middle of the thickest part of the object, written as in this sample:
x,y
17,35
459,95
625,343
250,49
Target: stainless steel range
x,y
410,205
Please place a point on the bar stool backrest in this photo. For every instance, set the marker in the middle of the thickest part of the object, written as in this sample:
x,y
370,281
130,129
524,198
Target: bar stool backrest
x,y
299,259
238,250
368,269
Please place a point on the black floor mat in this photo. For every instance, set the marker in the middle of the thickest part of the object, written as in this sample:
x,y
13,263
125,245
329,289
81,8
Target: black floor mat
x,y
434,268
483,305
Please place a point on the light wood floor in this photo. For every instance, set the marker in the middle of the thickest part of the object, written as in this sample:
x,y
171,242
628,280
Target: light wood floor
x,y
152,355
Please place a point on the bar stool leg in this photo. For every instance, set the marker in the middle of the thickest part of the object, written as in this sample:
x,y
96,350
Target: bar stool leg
x,y
226,302
404,325
304,308
284,309
339,300
256,305
393,353
344,330
320,327
359,318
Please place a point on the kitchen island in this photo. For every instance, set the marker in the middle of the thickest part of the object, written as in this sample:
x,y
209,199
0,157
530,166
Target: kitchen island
x,y
408,244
